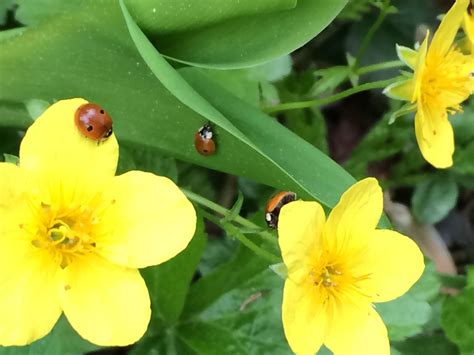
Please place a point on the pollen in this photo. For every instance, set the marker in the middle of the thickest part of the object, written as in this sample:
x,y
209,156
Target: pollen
x,y
65,233
447,80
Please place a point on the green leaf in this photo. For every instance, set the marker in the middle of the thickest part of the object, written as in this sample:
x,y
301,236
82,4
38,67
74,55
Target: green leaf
x,y
13,114
138,157
5,5
249,40
226,277
62,340
213,102
406,315
9,158
470,276
233,34
427,344
457,319
36,107
434,197
246,319
169,282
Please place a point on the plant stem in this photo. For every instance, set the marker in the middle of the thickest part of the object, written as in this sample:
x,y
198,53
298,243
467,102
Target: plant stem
x,y
225,212
379,66
373,29
327,100
235,232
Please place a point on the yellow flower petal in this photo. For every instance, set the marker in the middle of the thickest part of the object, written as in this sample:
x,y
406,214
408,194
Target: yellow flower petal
x,y
55,152
368,337
407,55
420,67
401,90
434,135
149,221
304,318
300,227
105,303
390,277
357,213
468,25
447,30
29,303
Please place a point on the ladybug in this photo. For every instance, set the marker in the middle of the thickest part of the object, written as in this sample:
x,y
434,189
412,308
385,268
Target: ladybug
x,y
93,122
274,205
203,141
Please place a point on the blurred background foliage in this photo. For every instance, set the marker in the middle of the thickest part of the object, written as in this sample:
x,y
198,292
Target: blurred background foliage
x,y
226,67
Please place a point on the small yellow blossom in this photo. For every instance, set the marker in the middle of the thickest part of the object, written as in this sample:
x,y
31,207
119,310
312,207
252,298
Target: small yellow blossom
x,y
442,80
338,268
468,26
72,235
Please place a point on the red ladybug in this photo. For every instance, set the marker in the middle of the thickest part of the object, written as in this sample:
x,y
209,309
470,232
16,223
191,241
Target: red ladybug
x,y
203,141
93,122
274,205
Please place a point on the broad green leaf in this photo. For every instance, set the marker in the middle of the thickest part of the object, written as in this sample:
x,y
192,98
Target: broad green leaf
x,y
406,315
246,319
138,157
169,282
457,320
434,198
232,34
5,5
62,340
225,278
249,40
13,114
160,16
427,344
246,123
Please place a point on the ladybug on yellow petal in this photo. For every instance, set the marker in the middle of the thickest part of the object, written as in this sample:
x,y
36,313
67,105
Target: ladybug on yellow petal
x,y
93,122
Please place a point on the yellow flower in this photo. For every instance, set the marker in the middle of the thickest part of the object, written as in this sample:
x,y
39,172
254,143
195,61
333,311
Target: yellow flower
x,y
72,235
468,26
338,268
442,80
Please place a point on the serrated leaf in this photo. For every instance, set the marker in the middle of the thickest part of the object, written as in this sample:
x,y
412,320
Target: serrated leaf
x,y
434,197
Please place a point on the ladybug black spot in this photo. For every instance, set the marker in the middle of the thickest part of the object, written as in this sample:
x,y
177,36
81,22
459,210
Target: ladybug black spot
x,y
102,111
89,128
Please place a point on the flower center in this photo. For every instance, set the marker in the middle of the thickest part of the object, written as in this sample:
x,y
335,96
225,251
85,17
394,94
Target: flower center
x,y
335,280
330,276
64,233
447,80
